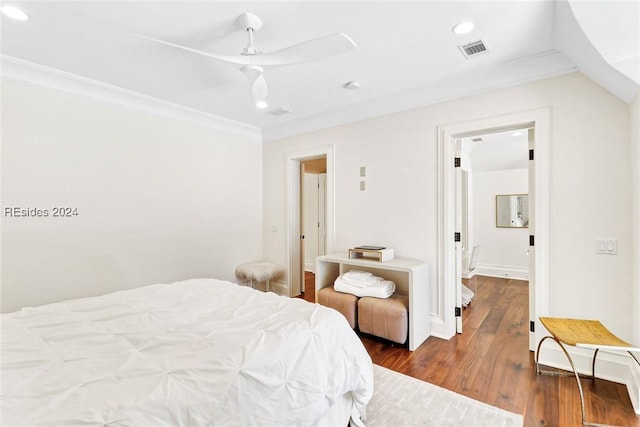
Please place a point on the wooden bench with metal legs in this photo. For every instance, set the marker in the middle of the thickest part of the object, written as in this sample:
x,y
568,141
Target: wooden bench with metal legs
x,y
586,334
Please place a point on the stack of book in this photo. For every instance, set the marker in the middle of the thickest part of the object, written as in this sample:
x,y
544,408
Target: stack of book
x,y
378,253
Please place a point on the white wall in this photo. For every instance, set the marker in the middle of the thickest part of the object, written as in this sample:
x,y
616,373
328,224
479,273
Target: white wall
x,y
503,251
589,176
634,114
158,199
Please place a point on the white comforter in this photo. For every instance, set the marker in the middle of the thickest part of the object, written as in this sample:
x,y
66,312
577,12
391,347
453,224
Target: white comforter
x,y
194,353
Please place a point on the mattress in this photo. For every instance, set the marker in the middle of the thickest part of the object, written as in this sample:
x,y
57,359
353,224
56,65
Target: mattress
x,y
192,353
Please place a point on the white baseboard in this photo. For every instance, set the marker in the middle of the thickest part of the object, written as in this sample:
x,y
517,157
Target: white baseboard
x,y
502,271
439,329
279,287
276,286
310,266
618,367
633,386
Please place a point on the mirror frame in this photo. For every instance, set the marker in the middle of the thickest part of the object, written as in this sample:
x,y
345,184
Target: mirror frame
x,y
526,225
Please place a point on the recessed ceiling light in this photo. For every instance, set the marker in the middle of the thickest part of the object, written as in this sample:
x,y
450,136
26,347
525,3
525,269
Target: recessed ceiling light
x,y
462,27
14,13
262,104
517,133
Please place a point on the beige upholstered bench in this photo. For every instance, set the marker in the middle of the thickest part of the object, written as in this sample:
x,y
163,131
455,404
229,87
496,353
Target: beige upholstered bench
x,y
344,303
385,318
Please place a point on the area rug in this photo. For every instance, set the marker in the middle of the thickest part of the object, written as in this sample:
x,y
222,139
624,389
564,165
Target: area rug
x,y
400,400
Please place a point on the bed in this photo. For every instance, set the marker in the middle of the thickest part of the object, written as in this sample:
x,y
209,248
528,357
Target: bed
x,y
192,353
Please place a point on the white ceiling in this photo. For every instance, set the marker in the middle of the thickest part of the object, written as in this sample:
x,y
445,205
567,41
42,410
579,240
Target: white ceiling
x,y
407,54
498,151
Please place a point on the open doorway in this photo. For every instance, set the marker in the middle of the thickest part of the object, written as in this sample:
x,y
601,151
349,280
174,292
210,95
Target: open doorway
x,y
313,224
295,176
537,122
494,213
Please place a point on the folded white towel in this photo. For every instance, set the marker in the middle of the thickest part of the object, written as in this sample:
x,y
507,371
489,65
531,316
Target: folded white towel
x,y
360,278
358,275
382,289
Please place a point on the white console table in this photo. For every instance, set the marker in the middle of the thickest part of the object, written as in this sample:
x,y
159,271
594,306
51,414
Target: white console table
x,y
410,276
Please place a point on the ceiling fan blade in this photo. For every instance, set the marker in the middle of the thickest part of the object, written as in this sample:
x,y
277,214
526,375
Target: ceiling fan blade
x,y
259,88
310,50
235,59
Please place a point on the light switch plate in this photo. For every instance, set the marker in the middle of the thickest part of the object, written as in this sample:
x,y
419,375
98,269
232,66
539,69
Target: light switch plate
x,y
607,246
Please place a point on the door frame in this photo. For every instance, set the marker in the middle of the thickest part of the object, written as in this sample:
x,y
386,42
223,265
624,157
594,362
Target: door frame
x,y
540,120
293,255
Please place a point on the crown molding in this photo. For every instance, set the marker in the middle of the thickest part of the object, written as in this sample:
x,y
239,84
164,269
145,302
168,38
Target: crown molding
x,y
21,71
524,70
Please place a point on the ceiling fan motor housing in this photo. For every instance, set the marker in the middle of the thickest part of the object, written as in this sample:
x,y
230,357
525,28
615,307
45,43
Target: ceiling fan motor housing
x,y
249,21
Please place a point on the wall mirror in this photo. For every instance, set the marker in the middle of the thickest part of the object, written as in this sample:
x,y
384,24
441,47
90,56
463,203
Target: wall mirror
x,y
512,210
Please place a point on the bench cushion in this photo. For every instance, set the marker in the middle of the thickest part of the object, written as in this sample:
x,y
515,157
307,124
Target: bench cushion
x,y
346,304
385,318
259,271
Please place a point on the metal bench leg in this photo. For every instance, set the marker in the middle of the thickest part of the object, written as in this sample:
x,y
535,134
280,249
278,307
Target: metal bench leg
x,y
575,374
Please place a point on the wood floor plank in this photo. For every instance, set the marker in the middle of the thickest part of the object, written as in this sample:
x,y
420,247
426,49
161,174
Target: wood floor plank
x,y
491,362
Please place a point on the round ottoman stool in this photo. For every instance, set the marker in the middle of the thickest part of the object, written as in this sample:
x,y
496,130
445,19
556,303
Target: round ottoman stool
x,y
259,272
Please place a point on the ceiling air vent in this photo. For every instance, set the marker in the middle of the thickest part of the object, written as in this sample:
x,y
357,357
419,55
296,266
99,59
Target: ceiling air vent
x,y
280,111
473,49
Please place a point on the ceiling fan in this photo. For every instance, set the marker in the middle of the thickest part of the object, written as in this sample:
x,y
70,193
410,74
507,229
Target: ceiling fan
x,y
253,61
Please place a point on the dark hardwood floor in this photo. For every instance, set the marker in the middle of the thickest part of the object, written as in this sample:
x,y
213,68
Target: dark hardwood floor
x,y
490,362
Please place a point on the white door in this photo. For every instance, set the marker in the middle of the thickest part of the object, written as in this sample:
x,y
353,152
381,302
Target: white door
x,y
322,214
303,228
294,223
466,237
295,264
532,233
311,203
458,234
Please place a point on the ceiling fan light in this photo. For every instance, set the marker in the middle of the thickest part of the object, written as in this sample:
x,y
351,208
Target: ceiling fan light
x,y
262,104
463,27
14,13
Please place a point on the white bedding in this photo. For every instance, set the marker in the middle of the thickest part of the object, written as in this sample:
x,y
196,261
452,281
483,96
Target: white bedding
x,y
193,353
